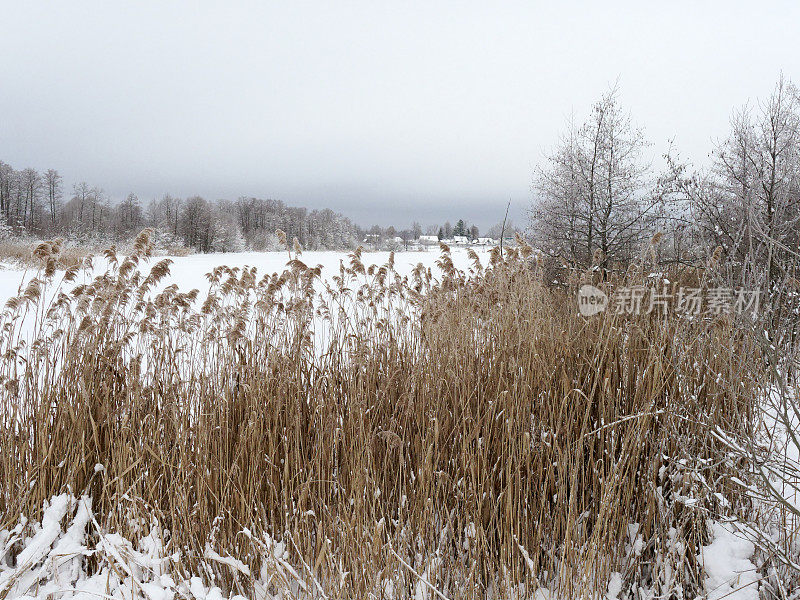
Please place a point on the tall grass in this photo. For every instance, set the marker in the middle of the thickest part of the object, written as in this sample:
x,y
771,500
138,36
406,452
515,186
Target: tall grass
x,y
471,433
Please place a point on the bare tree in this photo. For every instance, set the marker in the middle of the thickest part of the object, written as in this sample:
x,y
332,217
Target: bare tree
x,y
53,189
129,217
224,233
100,210
748,203
195,222
562,216
77,206
758,169
30,184
7,178
594,193
164,214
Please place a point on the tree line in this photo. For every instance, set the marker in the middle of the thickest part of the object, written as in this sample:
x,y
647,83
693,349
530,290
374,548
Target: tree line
x,y
34,204
597,200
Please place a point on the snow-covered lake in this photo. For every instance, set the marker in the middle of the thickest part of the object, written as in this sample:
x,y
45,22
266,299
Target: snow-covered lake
x,y
188,272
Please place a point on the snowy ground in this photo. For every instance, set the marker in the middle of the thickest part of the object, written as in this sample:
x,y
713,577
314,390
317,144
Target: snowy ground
x,y
49,559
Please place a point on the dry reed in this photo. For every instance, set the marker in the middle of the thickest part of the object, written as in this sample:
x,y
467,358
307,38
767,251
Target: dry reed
x,y
472,431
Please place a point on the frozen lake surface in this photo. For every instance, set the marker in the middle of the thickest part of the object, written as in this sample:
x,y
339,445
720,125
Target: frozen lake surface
x,y
189,272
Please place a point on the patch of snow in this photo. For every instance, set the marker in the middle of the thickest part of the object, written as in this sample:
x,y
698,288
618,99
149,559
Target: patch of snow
x,y
729,572
614,586
41,561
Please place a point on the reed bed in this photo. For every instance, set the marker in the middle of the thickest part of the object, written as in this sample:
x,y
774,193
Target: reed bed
x,y
20,252
470,433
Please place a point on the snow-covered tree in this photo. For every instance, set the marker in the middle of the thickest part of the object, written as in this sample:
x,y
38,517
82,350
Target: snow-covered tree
x,y
594,192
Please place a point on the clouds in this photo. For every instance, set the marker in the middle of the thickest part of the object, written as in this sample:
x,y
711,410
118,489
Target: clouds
x,y
346,104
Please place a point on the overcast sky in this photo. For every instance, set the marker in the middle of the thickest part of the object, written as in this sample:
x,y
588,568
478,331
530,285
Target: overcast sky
x,y
386,111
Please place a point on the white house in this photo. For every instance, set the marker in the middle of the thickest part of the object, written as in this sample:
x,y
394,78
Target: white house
x,y
428,240
460,240
371,239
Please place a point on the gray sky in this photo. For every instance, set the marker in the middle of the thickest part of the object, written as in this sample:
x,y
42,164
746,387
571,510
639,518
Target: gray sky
x,y
385,111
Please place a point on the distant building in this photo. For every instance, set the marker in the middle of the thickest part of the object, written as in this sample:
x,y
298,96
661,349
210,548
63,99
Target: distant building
x,y
428,240
460,240
485,241
372,240
394,243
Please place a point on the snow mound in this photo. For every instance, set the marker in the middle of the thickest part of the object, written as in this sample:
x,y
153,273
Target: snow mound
x,y
729,572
